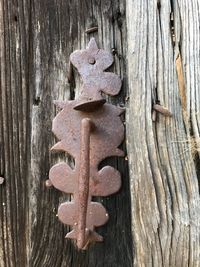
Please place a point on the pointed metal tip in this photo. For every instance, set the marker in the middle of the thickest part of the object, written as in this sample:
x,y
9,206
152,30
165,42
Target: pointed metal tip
x,y
57,146
72,234
59,103
121,110
119,152
92,45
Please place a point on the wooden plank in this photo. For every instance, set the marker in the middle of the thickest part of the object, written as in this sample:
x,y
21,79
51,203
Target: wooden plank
x,y
14,133
37,38
164,173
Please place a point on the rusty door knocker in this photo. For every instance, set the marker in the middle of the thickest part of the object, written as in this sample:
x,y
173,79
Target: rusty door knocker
x,y
90,130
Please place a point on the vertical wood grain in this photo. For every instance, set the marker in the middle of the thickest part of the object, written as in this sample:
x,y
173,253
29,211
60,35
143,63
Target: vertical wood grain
x,y
155,45
37,37
14,132
164,156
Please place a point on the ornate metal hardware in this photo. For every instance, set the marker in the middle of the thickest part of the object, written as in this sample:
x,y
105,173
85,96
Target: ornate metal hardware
x,y
90,130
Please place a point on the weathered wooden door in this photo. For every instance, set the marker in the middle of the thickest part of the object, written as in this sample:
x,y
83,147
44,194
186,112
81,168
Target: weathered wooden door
x,y
154,219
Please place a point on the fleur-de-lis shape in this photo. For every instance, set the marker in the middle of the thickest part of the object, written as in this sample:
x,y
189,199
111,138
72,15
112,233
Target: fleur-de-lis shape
x,y
91,64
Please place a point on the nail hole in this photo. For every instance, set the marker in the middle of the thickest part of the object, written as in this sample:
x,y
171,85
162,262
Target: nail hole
x,y
36,101
114,51
92,61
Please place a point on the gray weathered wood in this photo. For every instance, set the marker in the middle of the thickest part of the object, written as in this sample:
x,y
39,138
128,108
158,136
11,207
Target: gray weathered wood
x,y
37,38
156,62
164,156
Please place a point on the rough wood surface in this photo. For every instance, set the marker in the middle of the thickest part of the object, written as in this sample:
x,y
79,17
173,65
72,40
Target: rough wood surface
x,y
155,44
36,39
163,65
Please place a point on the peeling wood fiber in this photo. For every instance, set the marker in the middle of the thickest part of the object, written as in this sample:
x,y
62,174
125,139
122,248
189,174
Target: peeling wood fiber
x,y
155,45
163,66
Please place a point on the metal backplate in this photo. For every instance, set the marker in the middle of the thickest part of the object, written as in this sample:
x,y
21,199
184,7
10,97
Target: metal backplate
x,y
90,131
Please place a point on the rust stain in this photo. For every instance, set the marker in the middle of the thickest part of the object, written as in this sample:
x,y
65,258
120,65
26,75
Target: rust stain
x,y
181,82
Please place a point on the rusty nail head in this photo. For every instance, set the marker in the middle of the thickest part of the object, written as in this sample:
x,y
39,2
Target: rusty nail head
x,y
1,180
48,183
